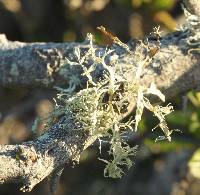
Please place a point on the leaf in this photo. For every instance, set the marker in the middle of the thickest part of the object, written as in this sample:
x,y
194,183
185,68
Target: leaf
x,y
194,164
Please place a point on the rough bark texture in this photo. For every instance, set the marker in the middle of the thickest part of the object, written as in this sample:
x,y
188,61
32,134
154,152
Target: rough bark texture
x,y
41,64
174,69
32,161
193,6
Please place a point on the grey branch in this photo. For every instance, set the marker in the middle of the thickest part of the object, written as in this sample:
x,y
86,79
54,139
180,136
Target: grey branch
x,y
33,161
193,6
174,69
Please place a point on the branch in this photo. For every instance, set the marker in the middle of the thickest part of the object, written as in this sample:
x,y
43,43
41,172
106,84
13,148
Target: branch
x,y
192,6
174,69
33,161
43,64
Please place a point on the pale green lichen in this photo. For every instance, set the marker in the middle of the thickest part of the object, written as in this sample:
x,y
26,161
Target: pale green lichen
x,y
193,25
99,108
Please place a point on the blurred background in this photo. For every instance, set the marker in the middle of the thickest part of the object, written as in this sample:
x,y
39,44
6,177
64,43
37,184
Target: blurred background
x,y
161,168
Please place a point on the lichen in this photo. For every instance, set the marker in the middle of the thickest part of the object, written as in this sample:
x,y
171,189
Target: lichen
x,y
193,25
100,108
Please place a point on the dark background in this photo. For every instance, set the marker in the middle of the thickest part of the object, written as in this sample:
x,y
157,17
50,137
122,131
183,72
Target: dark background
x,y
160,168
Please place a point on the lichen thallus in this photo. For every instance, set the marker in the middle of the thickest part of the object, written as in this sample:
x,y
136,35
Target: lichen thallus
x,y
100,108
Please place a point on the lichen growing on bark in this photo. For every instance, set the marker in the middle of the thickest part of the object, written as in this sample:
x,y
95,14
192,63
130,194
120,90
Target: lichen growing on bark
x,y
100,108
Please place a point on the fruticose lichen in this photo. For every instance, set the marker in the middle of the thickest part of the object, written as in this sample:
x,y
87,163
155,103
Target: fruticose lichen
x,y
193,24
100,108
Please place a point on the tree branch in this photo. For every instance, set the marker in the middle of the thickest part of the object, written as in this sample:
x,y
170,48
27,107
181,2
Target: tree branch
x,y
44,64
192,6
33,161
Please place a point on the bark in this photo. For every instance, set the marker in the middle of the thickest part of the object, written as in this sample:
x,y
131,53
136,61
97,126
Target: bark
x,y
43,64
193,6
174,69
33,161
